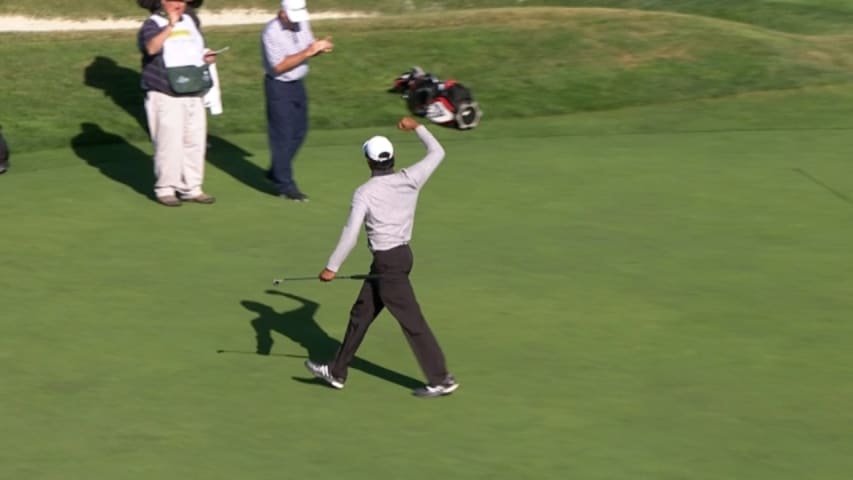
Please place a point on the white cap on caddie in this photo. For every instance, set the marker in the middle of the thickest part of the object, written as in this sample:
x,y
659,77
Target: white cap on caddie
x,y
378,149
295,9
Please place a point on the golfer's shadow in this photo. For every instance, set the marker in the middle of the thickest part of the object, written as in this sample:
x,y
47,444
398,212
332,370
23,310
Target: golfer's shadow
x,y
115,158
300,326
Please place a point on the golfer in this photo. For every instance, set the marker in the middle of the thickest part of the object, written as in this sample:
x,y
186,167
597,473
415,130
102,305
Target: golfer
x,y
386,205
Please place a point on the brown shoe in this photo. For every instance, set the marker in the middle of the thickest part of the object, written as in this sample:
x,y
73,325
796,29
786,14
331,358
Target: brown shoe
x,y
169,201
203,198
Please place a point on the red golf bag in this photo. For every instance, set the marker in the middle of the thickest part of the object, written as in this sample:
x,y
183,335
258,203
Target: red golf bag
x,y
445,102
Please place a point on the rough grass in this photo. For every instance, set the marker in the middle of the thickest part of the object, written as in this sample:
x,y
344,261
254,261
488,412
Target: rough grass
x,y
518,62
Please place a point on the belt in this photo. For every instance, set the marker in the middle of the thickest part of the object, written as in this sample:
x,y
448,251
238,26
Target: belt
x,y
282,81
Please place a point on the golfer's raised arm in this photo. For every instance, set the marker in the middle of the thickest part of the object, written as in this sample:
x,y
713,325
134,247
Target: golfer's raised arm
x,y
349,236
420,172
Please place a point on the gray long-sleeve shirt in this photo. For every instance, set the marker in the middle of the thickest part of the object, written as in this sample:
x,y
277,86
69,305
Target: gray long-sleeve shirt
x,y
386,204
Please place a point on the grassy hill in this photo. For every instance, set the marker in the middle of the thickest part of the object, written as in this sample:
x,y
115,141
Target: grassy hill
x,y
519,62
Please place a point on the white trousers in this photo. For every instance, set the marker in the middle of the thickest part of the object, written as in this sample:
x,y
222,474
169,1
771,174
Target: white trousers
x,y
178,127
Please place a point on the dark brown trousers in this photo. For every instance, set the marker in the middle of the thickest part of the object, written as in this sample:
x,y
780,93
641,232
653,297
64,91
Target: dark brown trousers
x,y
391,289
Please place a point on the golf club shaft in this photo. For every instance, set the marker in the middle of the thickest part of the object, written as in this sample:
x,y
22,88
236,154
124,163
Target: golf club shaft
x,y
360,276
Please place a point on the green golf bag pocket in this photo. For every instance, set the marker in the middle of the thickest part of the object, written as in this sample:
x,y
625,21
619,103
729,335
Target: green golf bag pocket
x,y
189,79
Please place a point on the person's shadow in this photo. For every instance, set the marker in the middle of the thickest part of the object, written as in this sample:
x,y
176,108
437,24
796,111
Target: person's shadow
x,y
234,161
115,158
300,326
120,84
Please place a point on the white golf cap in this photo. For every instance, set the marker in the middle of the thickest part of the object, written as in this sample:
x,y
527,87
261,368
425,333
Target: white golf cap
x,y
295,9
379,149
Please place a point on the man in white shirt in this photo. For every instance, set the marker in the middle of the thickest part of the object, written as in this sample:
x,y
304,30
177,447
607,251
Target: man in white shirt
x,y
386,205
287,43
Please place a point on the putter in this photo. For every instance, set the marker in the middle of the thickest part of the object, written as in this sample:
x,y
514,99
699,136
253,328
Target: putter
x,y
360,276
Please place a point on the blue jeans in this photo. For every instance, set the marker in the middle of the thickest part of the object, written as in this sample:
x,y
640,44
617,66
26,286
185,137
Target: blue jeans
x,y
287,125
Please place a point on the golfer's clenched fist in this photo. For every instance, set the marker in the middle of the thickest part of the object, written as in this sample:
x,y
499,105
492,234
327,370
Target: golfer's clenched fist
x,y
407,124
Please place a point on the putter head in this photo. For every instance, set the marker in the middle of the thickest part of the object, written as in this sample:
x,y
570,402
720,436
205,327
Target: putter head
x,y
276,281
